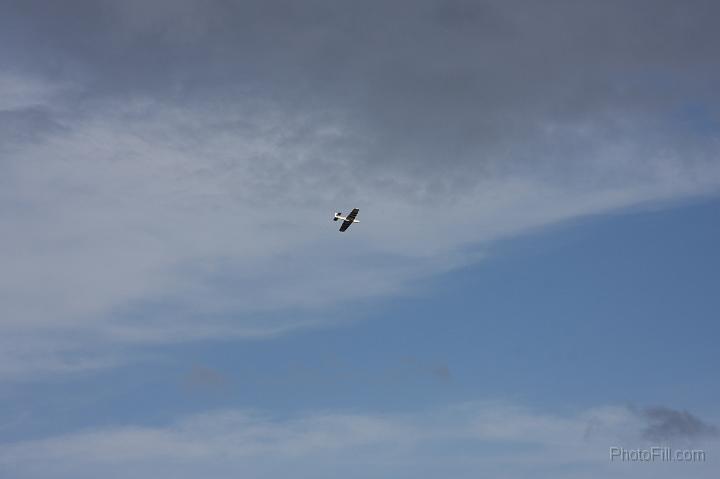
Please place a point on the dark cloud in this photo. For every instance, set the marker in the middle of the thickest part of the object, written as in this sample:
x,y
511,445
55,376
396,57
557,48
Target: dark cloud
x,y
441,372
475,85
205,379
665,425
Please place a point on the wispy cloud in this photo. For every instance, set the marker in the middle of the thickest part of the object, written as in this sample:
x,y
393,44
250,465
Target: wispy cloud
x,y
21,92
495,438
139,217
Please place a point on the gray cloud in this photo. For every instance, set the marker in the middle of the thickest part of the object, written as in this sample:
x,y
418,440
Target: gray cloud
x,y
651,426
422,82
477,87
149,149
202,378
665,424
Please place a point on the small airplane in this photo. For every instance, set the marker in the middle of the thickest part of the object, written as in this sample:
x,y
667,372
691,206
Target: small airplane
x,y
347,220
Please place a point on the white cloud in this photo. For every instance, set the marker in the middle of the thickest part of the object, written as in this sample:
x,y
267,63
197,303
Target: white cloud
x,y
470,440
142,222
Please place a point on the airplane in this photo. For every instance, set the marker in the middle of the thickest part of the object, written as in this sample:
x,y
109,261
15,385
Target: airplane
x,y
347,220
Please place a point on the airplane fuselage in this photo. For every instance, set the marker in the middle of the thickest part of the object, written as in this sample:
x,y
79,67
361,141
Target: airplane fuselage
x,y
340,217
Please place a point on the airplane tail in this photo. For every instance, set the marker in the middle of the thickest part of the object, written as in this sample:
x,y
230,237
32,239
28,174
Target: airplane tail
x,y
337,215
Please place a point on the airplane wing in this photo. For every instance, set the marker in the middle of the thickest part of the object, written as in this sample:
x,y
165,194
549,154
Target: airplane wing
x,y
352,214
349,219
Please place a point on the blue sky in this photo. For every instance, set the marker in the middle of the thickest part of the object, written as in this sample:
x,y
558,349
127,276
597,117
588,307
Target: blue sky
x,y
533,282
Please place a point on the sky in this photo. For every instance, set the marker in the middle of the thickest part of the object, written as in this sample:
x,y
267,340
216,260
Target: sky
x,y
533,282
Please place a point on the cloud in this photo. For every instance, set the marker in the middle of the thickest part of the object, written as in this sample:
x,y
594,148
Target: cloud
x,y
469,440
169,170
19,92
201,378
667,425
